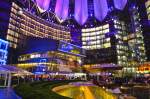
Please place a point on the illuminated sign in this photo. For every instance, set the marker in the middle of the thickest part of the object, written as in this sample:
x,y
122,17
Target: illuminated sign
x,y
3,52
71,49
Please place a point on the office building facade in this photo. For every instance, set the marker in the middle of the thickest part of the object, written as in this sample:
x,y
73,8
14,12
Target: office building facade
x,y
118,35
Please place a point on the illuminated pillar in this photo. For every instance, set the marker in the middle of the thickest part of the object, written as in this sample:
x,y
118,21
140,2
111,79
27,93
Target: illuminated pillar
x,y
81,11
6,77
120,4
61,9
100,9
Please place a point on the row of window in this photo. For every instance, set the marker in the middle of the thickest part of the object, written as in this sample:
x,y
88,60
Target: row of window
x,y
30,25
123,58
94,33
30,22
148,8
18,10
98,42
135,40
47,55
122,49
99,46
100,28
94,38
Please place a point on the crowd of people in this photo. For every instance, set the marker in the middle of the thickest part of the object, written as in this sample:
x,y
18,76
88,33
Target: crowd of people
x,y
106,80
33,78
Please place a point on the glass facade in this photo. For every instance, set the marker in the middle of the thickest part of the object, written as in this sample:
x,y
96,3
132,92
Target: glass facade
x,y
121,42
94,38
125,46
136,40
54,60
136,48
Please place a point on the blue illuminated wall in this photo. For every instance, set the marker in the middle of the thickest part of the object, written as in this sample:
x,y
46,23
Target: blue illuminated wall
x,y
76,37
43,45
39,45
5,9
3,52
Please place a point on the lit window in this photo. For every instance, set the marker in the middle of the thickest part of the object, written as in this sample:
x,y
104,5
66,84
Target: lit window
x,y
93,29
96,28
106,31
98,41
98,33
108,39
147,3
98,46
106,26
83,43
107,45
98,37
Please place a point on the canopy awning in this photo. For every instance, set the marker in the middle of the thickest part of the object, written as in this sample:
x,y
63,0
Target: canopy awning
x,y
13,69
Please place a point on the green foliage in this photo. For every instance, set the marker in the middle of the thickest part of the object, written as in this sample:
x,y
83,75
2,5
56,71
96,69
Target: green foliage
x,y
40,90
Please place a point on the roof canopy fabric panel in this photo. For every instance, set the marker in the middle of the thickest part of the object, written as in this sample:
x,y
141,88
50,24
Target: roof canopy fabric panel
x,y
61,9
120,4
100,9
81,11
43,4
13,69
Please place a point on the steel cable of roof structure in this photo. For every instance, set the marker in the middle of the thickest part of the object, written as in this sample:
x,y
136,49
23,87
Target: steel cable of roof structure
x,y
80,8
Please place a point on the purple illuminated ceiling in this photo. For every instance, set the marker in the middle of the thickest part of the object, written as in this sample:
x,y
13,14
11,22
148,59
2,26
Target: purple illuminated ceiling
x,y
81,8
120,4
100,9
81,11
61,9
43,4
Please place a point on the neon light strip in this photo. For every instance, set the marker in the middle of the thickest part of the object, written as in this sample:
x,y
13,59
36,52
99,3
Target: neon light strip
x,y
72,44
71,53
3,41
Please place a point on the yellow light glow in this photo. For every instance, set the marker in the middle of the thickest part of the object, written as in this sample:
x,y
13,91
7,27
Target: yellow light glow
x,y
84,92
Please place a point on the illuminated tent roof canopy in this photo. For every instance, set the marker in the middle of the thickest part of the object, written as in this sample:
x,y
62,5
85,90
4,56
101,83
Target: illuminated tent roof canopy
x,y
120,4
81,14
43,5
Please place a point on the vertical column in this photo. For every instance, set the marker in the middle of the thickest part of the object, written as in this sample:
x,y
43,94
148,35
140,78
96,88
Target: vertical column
x,y
6,79
100,9
81,11
9,80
